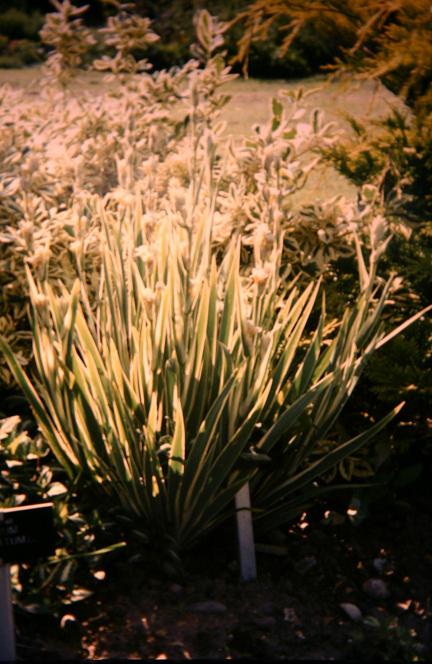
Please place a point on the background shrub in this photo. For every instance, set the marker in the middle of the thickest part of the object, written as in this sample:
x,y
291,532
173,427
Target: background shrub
x,y
173,21
29,475
393,43
17,24
19,37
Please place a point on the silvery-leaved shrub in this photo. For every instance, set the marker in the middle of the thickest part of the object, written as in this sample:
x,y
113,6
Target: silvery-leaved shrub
x,y
174,348
66,33
64,153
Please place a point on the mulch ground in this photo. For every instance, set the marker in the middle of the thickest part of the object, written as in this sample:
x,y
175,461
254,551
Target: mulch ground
x,y
382,568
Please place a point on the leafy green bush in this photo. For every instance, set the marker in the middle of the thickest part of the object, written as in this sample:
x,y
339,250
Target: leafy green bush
x,y
395,155
391,42
26,51
380,40
174,23
19,39
29,474
17,24
394,159
10,62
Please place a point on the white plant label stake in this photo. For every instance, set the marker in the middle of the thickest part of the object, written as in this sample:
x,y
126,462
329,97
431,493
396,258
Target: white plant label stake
x,y
245,534
7,629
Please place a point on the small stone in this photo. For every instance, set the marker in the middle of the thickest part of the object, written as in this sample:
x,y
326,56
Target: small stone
x,y
376,588
208,606
352,611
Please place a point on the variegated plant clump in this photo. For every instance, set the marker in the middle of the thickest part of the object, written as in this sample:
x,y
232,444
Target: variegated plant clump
x,y
174,350
171,383
174,347
169,374
142,144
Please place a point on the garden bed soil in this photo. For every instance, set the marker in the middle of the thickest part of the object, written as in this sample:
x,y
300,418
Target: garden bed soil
x,y
327,591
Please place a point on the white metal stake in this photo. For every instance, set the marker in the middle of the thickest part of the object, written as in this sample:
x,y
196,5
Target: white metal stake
x,y
245,534
7,628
